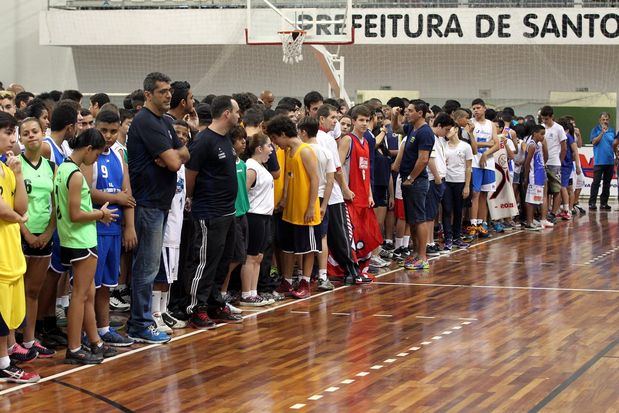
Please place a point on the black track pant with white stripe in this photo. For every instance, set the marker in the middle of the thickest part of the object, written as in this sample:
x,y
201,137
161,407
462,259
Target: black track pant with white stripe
x,y
213,248
339,238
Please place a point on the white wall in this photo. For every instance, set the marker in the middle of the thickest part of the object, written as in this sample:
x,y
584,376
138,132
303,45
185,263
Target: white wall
x,y
37,67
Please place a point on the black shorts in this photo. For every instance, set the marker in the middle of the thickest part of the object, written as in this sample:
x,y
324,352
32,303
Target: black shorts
x,y
276,231
239,253
46,251
69,255
259,233
324,225
4,329
433,200
415,200
381,196
300,239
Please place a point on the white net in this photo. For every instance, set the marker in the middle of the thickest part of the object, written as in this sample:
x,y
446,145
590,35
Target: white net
x,y
420,54
292,46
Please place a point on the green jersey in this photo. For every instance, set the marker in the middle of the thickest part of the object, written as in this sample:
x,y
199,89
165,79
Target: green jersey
x,y
78,235
39,182
242,199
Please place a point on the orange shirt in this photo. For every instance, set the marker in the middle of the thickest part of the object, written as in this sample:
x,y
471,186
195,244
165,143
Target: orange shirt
x,y
279,182
297,197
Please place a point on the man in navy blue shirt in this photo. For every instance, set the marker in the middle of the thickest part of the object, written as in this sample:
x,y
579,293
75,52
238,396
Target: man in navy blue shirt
x,y
211,191
155,154
415,185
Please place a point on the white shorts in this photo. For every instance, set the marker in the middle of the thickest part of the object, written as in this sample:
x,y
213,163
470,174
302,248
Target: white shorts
x,y
578,180
169,261
535,194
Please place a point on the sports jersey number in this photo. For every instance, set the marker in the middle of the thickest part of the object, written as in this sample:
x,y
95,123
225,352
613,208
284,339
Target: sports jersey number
x,y
58,213
104,173
28,185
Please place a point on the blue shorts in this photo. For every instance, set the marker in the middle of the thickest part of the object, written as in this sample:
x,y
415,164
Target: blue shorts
x,y
566,174
483,180
56,262
108,264
414,196
433,200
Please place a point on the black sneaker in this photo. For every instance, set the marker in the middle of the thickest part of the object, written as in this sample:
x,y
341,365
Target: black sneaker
x,y
82,356
225,316
104,351
358,279
200,320
388,246
400,253
53,338
20,354
605,207
432,251
580,209
180,315
592,208
118,302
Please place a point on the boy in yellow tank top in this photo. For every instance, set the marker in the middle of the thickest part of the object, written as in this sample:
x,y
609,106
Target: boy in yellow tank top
x,y
300,229
13,207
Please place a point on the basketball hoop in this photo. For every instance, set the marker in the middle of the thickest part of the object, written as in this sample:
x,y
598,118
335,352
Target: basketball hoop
x,y
292,42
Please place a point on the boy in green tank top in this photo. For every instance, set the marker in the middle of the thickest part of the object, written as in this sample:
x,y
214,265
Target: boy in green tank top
x,y
76,222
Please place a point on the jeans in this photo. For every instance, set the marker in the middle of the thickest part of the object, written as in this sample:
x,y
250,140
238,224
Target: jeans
x,y
149,226
602,173
452,204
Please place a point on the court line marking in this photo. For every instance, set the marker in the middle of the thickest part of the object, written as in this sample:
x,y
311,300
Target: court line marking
x,y
503,287
110,402
254,314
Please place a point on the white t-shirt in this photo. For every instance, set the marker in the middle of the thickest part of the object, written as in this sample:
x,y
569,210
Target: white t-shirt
x,y
438,154
325,166
261,196
174,224
554,136
483,133
456,157
326,141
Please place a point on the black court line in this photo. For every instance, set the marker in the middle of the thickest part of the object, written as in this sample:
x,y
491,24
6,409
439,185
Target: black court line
x,y
95,395
559,389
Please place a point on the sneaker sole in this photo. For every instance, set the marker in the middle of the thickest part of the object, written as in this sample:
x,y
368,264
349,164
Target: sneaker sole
x,y
45,356
107,343
19,381
82,362
326,288
197,327
144,340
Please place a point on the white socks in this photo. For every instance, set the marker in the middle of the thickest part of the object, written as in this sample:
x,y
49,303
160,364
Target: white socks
x,y
156,302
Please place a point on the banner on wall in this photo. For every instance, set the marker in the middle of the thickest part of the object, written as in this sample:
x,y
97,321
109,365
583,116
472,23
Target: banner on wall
x,y
585,154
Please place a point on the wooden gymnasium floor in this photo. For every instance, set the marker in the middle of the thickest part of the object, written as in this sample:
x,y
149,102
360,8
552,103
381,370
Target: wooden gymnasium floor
x,y
520,322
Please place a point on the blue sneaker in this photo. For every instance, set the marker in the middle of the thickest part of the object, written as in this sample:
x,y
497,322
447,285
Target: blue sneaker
x,y
113,339
498,227
149,335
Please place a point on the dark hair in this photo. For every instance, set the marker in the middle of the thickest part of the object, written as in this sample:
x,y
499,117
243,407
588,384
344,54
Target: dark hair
x,y
100,99
567,125
546,111
89,137
23,97
499,122
63,116
55,95
396,102
360,110
436,109
203,110
125,114
282,124
127,102
70,103
181,122
30,119
268,114
451,106
520,131
151,79
283,109
221,104
35,108
311,98
243,100
507,117
325,110
332,102
509,111
237,133
253,117
209,99
110,107
420,106
137,98
85,112
309,125
71,94
536,128
442,120
254,142
7,121
181,91
478,101
490,114
528,127
288,101
107,116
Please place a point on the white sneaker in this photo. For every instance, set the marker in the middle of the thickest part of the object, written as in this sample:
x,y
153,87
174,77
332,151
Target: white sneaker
x,y
547,224
233,309
378,262
173,322
161,325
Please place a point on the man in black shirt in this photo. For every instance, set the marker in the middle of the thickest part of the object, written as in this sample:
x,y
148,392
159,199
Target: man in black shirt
x,y
211,192
155,154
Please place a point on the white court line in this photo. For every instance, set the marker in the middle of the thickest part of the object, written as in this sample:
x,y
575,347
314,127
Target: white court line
x,y
503,287
340,313
253,314
299,312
